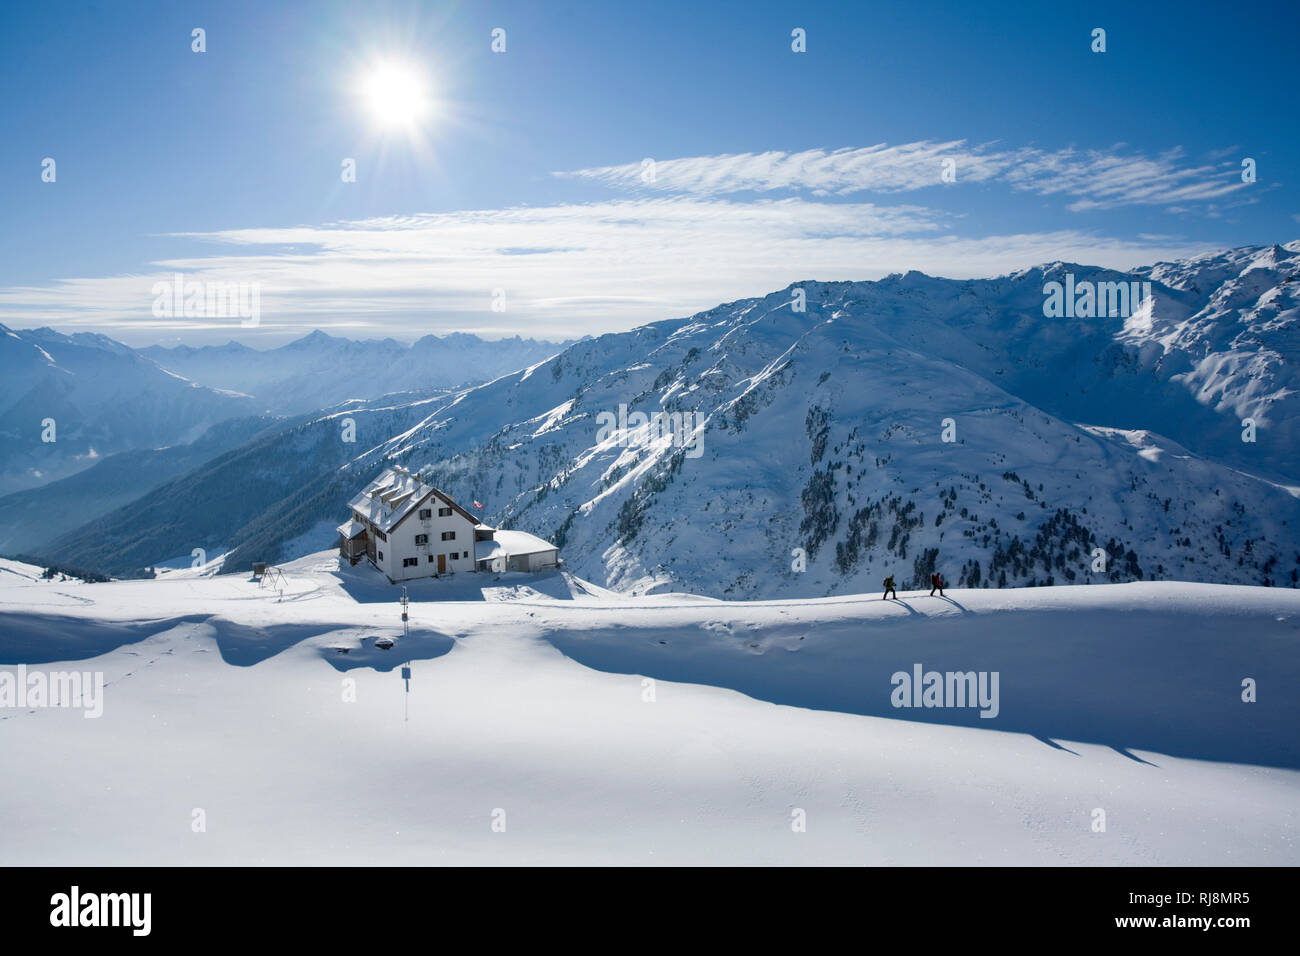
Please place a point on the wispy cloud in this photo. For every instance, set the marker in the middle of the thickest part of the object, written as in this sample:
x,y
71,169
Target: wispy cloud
x,y
565,269
1092,178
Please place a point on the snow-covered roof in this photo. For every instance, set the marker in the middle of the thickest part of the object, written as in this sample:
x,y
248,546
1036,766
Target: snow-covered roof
x,y
507,543
394,495
350,529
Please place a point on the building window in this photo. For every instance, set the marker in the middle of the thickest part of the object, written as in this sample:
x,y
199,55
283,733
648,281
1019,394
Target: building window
x,y
380,535
429,558
410,562
421,539
426,513
444,512
449,536
381,555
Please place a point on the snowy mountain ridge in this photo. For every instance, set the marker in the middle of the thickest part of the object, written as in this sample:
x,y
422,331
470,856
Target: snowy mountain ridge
x,y
67,401
825,431
319,370
899,426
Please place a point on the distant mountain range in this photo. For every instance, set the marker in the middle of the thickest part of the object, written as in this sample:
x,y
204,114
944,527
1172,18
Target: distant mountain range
x,y
104,398
319,370
838,432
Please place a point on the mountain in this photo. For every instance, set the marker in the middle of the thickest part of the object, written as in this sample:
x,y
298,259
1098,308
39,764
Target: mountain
x,y
890,427
100,396
30,519
266,479
319,370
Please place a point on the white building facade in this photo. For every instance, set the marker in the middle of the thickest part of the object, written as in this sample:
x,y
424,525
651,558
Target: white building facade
x,y
409,529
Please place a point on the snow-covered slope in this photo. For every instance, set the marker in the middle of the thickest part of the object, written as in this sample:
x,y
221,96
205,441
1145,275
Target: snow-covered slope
x,y
101,397
889,427
824,430
670,729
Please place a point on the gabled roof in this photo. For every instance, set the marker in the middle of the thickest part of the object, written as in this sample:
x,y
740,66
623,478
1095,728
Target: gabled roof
x,y
388,500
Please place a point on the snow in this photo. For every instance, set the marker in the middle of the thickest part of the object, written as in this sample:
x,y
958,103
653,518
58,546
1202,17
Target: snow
x,y
829,438
304,375
1068,437
506,543
350,529
551,419
390,498
102,394
528,696
322,534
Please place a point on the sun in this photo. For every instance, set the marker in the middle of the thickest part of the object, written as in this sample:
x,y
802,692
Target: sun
x,y
396,94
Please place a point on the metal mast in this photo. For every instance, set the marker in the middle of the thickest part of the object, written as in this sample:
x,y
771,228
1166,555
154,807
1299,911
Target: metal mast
x,y
406,668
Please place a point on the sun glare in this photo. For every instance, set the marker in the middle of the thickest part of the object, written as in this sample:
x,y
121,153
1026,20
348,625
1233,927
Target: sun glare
x,y
396,94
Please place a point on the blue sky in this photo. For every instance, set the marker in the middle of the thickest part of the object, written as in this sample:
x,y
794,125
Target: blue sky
x,y
523,185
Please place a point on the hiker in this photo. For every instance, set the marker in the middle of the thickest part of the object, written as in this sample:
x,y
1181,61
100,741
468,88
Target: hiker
x,y
936,584
889,588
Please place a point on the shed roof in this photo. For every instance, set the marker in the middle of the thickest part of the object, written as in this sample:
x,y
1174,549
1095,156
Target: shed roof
x,y
508,543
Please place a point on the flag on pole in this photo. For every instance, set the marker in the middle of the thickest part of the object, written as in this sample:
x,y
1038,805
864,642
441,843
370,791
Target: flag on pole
x,y
478,506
